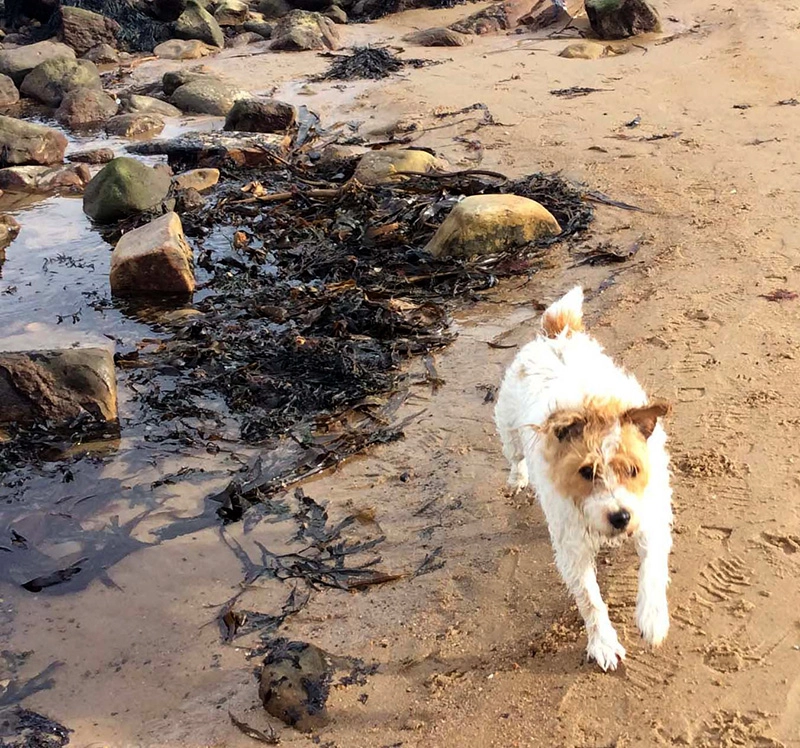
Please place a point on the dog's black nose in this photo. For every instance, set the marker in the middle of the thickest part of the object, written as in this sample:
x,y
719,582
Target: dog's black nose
x,y
619,520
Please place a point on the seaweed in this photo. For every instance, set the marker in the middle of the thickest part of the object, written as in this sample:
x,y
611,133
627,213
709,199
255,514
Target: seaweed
x,y
367,63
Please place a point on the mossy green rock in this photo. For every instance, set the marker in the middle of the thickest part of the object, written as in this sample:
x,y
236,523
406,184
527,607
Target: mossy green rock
x,y
53,79
123,187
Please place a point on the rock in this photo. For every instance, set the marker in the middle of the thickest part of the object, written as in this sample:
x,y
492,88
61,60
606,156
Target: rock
x,y
183,49
85,107
336,14
244,39
196,179
438,37
135,124
546,13
8,92
153,259
95,156
380,167
214,149
335,156
300,30
174,79
197,23
102,54
274,8
9,230
17,63
207,97
231,12
122,188
53,79
498,17
54,388
150,105
618,19
586,51
295,683
487,224
25,143
188,200
258,115
82,29
44,180
167,10
259,25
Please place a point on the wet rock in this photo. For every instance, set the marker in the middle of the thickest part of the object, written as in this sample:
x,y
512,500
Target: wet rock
x,y
8,92
45,180
85,107
207,96
336,14
301,30
135,124
295,683
26,143
102,54
56,387
336,156
379,167
122,188
197,23
487,224
498,17
274,8
258,24
231,12
82,29
17,63
438,37
213,149
188,200
149,105
153,259
259,115
586,51
9,230
245,38
196,179
618,19
183,49
53,79
94,156
174,79
545,13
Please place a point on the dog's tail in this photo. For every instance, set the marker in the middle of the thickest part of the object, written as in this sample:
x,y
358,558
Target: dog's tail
x,y
565,315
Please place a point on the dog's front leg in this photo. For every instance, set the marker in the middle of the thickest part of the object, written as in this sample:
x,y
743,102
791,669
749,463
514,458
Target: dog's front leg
x,y
575,561
652,611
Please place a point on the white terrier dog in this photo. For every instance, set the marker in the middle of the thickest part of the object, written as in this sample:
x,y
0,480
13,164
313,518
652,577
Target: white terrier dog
x,y
586,434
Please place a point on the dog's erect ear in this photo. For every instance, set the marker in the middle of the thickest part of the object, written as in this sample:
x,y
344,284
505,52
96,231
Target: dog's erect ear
x,y
646,417
567,426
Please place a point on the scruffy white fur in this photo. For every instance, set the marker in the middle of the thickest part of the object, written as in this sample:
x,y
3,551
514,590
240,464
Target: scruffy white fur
x,y
564,373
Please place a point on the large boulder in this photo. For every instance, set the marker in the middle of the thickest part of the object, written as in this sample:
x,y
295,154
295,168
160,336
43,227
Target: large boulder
x,y
53,79
150,105
45,180
207,96
8,92
135,125
197,23
381,167
301,30
497,17
86,107
17,63
488,224
57,387
619,19
83,30
153,259
231,12
25,143
122,188
183,49
254,115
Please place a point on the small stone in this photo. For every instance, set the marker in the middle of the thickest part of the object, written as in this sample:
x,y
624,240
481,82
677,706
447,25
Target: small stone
x,y
258,24
254,115
8,92
619,19
153,259
244,39
134,125
9,230
85,107
438,37
53,79
379,167
102,54
95,156
188,200
196,179
303,30
336,156
336,14
183,49
231,12
17,63
585,51
197,23
150,105
487,224
26,143
207,96
83,30
45,180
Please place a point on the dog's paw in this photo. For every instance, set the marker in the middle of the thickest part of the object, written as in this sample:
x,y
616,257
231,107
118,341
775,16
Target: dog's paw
x,y
606,651
653,622
517,481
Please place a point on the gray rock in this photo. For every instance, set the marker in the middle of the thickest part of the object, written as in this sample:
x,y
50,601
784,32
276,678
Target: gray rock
x,y
122,188
17,63
26,143
174,79
135,124
8,92
102,54
259,27
438,37
45,180
301,30
336,14
274,8
619,19
254,115
197,23
231,12
82,29
94,156
207,96
150,105
56,387
85,107
50,81
188,200
244,39
183,49
546,13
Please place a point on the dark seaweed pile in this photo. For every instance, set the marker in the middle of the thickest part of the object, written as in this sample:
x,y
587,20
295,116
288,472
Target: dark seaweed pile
x,y
368,63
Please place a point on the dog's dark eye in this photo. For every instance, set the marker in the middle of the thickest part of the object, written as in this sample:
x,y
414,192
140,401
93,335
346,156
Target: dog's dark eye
x,y
587,472
633,471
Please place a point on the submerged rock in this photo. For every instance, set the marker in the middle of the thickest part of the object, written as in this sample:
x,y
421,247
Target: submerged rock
x,y
53,79
17,63
438,37
302,30
197,23
260,115
84,107
135,124
83,30
122,188
487,224
618,19
8,92
207,96
153,259
183,49
44,180
150,105
57,386
379,167
26,143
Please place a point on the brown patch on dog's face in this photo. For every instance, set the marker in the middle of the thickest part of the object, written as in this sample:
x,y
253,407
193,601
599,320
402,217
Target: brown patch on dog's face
x,y
554,324
646,418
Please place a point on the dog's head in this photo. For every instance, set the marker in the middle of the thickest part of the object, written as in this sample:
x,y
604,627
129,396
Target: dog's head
x,y
598,457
